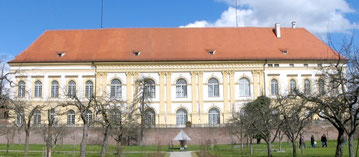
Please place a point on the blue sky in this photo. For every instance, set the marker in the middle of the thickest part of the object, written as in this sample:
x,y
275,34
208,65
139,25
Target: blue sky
x,y
23,21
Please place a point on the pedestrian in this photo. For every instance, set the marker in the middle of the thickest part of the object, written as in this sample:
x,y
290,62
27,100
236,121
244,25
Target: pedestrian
x,y
301,142
324,141
312,141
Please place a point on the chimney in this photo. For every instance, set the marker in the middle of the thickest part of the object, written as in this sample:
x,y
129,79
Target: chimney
x,y
294,24
277,30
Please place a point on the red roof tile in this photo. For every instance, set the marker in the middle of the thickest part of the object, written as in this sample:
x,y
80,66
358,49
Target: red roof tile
x,y
175,44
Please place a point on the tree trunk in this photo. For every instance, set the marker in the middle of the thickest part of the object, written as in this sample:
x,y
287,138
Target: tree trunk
x,y
49,142
84,141
340,141
280,142
241,140
351,145
7,145
118,151
294,146
356,153
27,136
104,142
250,147
269,148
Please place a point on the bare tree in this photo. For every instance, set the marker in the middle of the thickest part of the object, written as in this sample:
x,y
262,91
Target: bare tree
x,y
108,113
337,98
264,120
9,132
125,126
83,106
295,115
59,132
24,113
142,97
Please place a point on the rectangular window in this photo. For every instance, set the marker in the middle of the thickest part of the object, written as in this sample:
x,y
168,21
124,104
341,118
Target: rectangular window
x,y
305,65
291,65
270,65
276,65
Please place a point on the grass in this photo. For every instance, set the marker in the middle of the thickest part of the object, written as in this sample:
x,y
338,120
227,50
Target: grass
x,y
148,151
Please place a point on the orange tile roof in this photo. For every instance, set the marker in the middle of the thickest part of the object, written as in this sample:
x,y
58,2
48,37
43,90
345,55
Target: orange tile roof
x,y
176,44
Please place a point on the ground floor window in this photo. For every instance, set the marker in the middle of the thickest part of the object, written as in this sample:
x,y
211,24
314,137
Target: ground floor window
x,y
181,117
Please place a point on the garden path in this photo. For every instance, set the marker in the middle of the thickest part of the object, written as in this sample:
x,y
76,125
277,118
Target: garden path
x,y
180,154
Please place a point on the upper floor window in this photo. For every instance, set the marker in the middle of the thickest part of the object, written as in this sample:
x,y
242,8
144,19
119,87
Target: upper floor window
x,y
213,116
181,88
293,86
116,89
37,117
89,89
244,87
213,88
150,117
71,91
305,65
71,117
38,89
274,87
321,90
306,87
21,90
150,88
291,65
270,65
276,65
54,89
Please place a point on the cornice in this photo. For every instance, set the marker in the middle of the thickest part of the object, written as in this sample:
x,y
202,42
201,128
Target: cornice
x,y
175,67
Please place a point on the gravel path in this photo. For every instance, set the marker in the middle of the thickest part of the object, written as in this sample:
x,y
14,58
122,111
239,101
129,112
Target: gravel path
x,y
180,154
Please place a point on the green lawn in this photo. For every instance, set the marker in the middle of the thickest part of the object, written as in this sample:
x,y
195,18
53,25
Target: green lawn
x,y
147,151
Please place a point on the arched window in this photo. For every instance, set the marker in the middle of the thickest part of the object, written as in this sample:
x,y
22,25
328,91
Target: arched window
x,y
37,117
150,117
150,88
213,88
20,118
38,89
181,117
293,86
274,87
71,89
54,89
71,117
89,89
88,115
244,87
213,116
306,87
116,89
116,116
181,88
21,90
321,90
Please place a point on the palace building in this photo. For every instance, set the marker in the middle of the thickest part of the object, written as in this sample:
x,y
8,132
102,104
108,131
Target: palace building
x,y
201,75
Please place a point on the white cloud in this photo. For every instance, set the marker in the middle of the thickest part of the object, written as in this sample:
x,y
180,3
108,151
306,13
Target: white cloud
x,y
318,16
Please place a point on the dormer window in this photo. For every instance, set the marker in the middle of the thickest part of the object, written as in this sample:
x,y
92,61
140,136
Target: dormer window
x,y
211,52
60,54
136,53
284,51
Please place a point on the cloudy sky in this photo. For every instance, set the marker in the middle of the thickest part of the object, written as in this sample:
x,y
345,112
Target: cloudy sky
x,y
22,21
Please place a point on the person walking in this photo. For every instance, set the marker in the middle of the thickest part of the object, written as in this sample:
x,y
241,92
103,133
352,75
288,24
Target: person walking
x,y
324,141
312,141
301,142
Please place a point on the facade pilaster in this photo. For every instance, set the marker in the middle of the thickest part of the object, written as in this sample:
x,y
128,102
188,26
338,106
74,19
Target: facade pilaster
x,y
195,118
162,112
129,94
168,97
225,91
200,96
232,87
